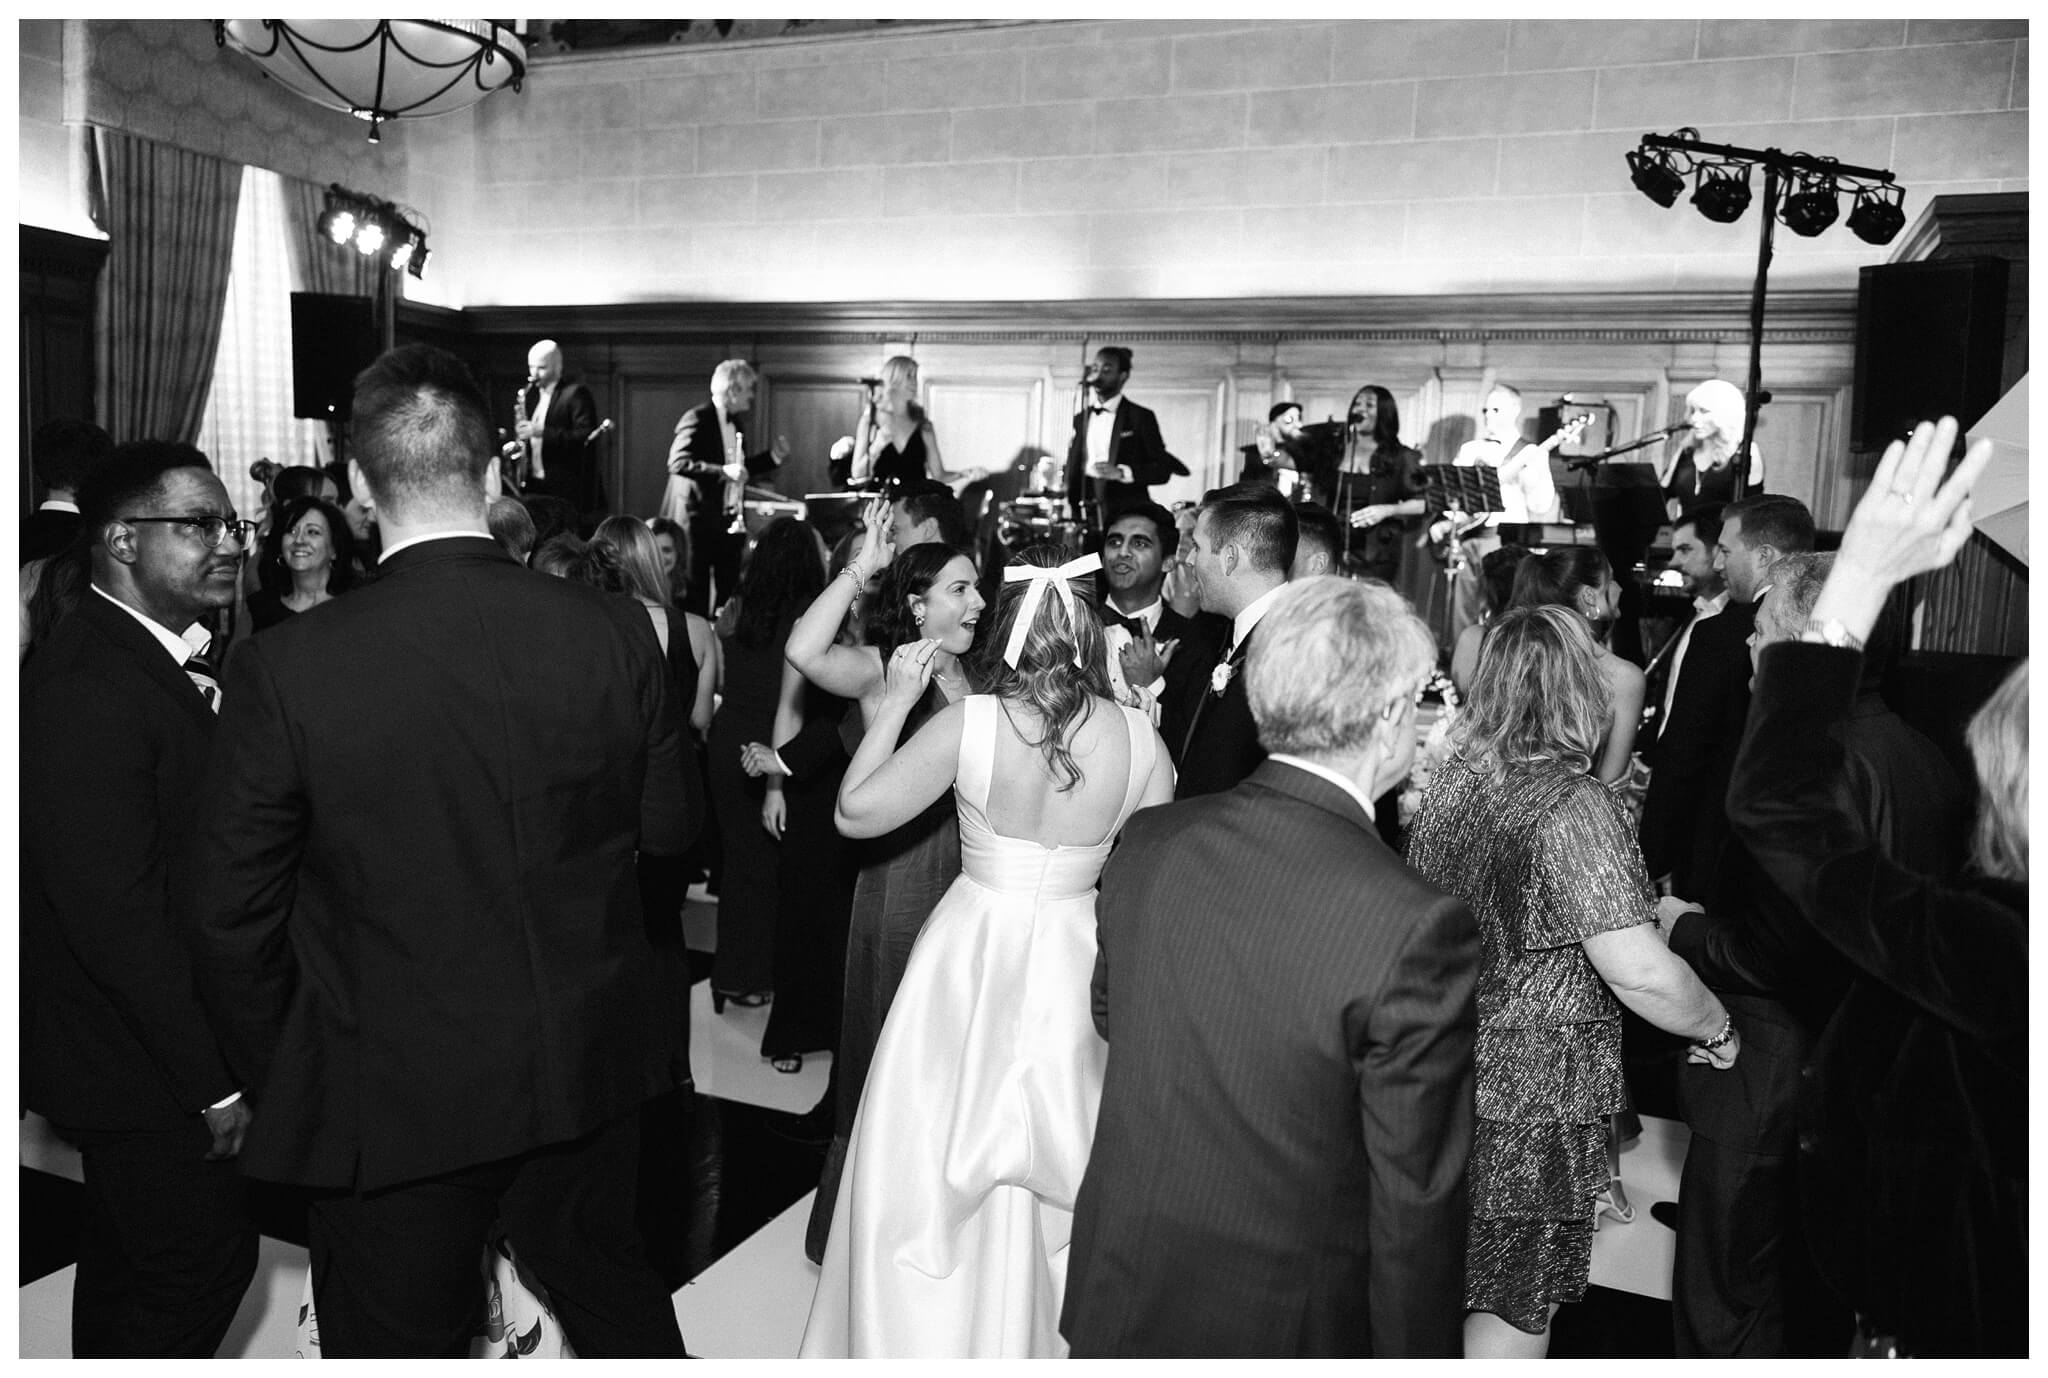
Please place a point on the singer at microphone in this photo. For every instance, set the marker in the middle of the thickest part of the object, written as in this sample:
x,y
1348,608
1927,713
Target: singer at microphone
x,y
1115,453
554,421
1704,469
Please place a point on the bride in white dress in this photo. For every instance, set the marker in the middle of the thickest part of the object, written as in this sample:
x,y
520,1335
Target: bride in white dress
x,y
949,1236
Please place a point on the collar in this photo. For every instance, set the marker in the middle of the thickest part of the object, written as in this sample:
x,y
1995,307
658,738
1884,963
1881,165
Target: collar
x,y
1248,618
1707,607
1149,614
57,505
1350,787
411,541
1761,590
1106,408
180,646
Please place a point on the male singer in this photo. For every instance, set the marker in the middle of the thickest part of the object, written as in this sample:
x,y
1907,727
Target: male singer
x,y
1116,453
550,448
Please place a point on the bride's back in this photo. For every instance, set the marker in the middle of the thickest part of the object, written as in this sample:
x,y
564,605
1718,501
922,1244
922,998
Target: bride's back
x,y
1025,800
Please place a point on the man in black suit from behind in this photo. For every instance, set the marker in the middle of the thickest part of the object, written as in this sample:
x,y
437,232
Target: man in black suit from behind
x,y
116,1051
1116,452
420,930
63,451
1700,714
552,446
1279,1159
1240,554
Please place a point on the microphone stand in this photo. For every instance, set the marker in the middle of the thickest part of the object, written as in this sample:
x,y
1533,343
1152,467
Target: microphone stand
x,y
1589,461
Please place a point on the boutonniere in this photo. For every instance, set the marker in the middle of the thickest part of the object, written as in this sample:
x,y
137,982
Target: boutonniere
x,y
1219,678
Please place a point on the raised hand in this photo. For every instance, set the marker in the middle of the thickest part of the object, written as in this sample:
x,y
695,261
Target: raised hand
x,y
876,549
908,673
1910,521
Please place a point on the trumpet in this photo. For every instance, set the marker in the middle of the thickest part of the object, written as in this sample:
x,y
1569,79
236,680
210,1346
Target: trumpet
x,y
736,492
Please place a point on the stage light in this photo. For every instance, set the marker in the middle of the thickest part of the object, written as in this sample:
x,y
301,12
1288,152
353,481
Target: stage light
x,y
1812,207
418,266
369,238
1878,214
402,254
1654,176
338,225
1722,193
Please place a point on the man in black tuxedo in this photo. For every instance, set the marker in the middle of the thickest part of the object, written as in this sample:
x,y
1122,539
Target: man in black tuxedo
x,y
1279,1160
62,451
551,448
1700,713
1116,452
420,931
1140,629
117,716
1743,1280
1240,553
706,459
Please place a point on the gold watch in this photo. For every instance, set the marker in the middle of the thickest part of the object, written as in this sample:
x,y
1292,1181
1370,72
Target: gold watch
x,y
1829,632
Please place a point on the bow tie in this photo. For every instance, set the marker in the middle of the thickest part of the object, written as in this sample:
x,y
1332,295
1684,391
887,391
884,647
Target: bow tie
x,y
1100,409
1134,625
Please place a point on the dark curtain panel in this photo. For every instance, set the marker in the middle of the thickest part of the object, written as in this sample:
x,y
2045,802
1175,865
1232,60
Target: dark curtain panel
x,y
169,215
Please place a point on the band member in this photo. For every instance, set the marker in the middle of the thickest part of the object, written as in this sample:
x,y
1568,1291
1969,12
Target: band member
x,y
894,442
550,447
1378,487
1703,470
708,475
1116,453
1528,493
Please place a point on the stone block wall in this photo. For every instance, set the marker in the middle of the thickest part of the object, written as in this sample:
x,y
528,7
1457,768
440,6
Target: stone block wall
x,y
1183,158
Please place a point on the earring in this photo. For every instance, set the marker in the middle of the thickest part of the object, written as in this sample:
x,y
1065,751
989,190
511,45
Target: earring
x,y
917,616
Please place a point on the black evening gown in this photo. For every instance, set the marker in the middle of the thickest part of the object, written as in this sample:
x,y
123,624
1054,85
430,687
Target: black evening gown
x,y
819,868
902,877
896,467
749,879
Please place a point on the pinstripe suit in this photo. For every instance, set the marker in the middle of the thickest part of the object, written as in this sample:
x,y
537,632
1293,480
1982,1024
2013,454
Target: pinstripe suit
x,y
1279,1160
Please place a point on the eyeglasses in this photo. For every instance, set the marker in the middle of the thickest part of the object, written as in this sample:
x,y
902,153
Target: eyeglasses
x,y
212,530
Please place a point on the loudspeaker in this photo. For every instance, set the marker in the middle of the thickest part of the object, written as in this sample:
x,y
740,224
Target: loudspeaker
x,y
1930,342
333,339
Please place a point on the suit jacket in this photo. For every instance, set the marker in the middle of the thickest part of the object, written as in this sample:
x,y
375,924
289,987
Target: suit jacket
x,y
1134,441
565,450
1214,741
1685,821
46,531
1279,1159
420,927
698,452
1913,1128
114,740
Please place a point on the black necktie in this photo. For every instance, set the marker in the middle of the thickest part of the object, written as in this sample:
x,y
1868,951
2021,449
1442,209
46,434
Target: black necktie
x,y
202,677
1134,625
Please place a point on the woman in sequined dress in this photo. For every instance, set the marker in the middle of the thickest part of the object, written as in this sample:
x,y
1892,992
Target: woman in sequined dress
x,y
1515,825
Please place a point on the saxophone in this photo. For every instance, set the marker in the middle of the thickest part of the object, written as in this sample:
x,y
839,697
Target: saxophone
x,y
520,418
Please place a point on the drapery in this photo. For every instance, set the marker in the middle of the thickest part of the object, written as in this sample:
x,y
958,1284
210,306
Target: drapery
x,y
169,215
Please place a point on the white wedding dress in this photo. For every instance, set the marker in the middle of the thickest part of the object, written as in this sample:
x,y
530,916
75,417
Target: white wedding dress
x,y
949,1236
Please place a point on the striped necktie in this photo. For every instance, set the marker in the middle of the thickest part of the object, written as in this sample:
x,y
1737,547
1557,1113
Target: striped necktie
x,y
201,674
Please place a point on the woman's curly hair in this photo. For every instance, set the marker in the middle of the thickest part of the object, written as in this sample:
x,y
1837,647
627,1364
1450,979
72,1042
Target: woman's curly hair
x,y
1045,678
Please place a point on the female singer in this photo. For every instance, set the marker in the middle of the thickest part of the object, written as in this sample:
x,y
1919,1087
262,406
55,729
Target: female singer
x,y
1704,469
1379,485
894,441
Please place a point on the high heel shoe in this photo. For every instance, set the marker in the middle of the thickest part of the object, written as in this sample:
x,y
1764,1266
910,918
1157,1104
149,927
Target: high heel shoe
x,y
1612,1200
790,1062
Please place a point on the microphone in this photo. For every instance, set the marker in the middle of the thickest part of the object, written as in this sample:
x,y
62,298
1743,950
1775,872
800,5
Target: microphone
x,y
602,427
869,382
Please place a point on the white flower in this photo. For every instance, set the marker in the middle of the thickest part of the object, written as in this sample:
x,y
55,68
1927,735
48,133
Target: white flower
x,y
1219,678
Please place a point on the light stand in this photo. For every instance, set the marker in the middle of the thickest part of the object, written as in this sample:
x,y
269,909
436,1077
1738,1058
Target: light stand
x,y
1777,166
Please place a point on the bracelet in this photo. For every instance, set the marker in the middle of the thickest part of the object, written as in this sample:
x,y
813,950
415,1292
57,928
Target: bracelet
x,y
853,571
1721,1039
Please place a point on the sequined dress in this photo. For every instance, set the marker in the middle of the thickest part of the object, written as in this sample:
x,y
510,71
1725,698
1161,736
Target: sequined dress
x,y
1546,859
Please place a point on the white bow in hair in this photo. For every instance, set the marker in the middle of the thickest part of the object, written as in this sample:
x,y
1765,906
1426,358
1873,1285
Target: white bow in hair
x,y
1040,576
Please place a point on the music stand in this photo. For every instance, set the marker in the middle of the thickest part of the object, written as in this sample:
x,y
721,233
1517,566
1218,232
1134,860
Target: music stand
x,y
1474,490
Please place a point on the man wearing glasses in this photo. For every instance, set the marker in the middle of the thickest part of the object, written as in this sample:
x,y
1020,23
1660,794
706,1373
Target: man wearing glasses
x,y
117,716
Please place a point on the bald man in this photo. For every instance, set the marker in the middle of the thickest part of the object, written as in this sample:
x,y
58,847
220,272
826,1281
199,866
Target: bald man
x,y
551,451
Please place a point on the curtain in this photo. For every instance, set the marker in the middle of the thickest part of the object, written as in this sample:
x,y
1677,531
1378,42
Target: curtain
x,y
169,215
249,408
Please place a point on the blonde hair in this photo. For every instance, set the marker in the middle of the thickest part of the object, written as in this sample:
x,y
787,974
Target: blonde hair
x,y
1723,401
1538,694
1998,744
1331,656
728,377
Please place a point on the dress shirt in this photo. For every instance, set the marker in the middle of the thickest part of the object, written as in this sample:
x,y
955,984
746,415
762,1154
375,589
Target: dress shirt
x,y
1703,608
539,420
1349,786
181,646
411,541
1532,490
1149,614
1116,636
1248,617
57,505
1101,428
